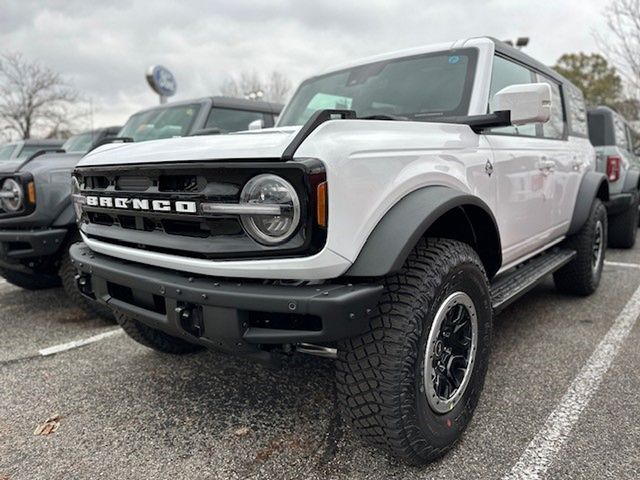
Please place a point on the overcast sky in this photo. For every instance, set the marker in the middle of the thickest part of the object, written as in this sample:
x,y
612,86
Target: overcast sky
x,y
104,47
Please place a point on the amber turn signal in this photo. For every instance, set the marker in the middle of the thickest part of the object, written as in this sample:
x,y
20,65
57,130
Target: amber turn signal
x,y
31,193
321,204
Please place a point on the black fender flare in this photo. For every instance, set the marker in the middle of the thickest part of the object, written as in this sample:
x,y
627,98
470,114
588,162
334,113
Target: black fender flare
x,y
594,185
397,233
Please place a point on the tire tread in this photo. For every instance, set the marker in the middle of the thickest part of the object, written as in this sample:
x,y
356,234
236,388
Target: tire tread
x,y
372,366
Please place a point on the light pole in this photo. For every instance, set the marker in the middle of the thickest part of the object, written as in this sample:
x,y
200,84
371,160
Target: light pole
x,y
254,95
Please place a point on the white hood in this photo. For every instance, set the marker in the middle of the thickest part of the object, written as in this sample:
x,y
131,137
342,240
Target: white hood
x,y
259,144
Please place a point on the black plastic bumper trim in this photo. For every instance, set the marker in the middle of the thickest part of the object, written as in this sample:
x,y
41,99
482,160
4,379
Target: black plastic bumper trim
x,y
41,243
224,304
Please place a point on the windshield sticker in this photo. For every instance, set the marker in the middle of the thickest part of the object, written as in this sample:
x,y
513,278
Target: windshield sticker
x,y
453,59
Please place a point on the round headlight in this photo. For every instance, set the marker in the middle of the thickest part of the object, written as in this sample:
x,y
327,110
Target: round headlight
x,y
270,190
12,196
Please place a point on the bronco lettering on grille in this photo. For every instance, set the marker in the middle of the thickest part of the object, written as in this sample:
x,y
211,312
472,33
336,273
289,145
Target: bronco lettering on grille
x,y
124,203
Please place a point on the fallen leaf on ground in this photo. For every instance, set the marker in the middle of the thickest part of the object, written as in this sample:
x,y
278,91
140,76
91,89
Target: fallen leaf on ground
x,y
49,426
242,431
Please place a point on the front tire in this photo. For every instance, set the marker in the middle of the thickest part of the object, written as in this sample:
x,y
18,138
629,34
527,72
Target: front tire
x,y
582,275
411,383
67,274
623,227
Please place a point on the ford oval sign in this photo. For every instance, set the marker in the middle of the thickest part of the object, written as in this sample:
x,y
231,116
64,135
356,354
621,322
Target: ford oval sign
x,y
162,81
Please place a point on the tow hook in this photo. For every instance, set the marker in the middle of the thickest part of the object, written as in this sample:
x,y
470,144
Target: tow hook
x,y
190,317
83,283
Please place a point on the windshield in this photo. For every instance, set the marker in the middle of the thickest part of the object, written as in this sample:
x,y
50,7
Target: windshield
x,y
29,150
80,143
6,151
420,87
163,122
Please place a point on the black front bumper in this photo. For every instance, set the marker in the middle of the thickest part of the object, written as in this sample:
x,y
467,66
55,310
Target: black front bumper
x,y
226,314
618,203
18,247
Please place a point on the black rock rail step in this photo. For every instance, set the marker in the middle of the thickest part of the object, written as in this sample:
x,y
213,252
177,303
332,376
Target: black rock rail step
x,y
514,283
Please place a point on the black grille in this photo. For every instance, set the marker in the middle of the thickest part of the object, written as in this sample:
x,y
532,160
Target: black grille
x,y
192,234
181,183
133,183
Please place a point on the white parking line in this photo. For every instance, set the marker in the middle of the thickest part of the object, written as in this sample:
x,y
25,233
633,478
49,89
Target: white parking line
x,y
79,343
621,264
537,458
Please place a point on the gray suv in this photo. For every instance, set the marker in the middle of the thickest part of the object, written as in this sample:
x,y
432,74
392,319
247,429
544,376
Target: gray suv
x,y
617,147
37,221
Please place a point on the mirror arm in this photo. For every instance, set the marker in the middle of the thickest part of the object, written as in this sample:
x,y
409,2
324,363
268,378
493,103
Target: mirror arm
x,y
479,123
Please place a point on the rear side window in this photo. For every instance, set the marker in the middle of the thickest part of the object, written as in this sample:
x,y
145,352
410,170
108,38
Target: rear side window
x,y
635,140
504,74
597,126
620,132
554,128
577,111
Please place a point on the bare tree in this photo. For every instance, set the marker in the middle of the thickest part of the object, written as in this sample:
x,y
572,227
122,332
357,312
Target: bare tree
x,y
35,99
623,42
274,88
278,87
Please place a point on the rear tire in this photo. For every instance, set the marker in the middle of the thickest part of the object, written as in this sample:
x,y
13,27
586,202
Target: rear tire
x,y
67,274
154,339
582,275
388,378
30,281
623,227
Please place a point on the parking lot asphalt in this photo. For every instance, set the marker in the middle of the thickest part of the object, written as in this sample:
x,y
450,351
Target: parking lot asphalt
x,y
128,412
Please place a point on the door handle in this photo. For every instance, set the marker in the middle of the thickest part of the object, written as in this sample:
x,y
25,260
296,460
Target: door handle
x,y
547,165
577,164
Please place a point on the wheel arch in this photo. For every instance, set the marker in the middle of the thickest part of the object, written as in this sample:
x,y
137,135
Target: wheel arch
x,y
631,181
594,185
430,211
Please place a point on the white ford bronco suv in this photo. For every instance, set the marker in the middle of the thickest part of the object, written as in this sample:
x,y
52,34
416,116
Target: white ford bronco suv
x,y
398,204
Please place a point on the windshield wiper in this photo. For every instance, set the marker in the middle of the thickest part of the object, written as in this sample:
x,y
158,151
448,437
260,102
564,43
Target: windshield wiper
x,y
384,116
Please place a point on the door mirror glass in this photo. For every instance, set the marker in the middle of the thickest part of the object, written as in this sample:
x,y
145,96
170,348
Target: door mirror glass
x,y
527,102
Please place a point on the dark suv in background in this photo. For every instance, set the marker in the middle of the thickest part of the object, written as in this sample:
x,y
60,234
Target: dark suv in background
x,y
37,221
18,152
